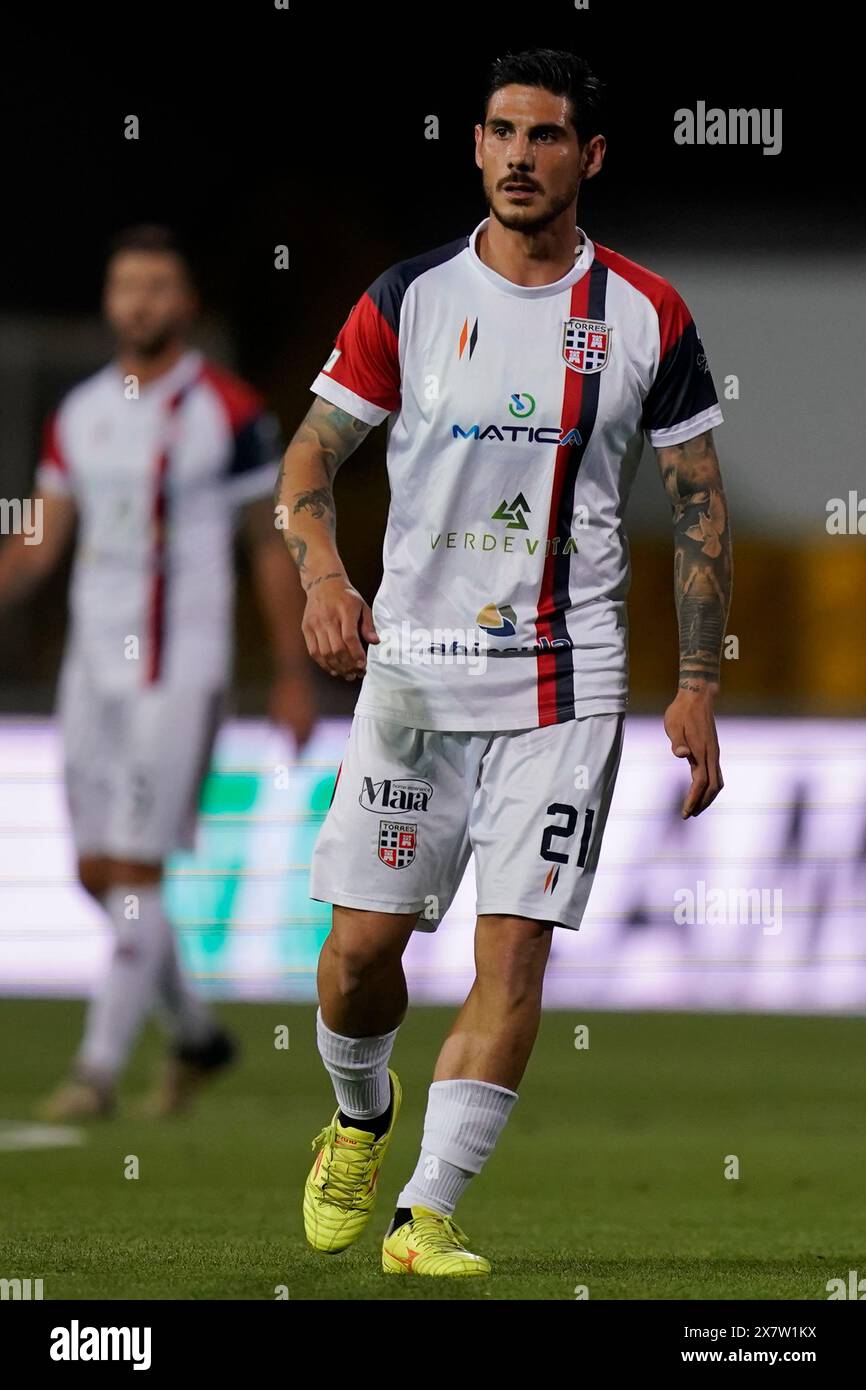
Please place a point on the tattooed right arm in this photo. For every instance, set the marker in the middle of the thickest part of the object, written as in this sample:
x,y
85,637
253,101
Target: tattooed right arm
x,y
304,497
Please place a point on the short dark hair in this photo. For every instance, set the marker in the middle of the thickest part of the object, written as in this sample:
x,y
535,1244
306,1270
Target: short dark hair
x,y
153,237
556,71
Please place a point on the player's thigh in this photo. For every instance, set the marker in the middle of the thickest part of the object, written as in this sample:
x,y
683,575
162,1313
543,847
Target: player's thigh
x,y
395,838
539,816
92,734
170,731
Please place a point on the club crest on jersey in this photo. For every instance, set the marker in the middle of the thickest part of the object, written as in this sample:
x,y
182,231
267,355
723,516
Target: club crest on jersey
x,y
397,843
586,345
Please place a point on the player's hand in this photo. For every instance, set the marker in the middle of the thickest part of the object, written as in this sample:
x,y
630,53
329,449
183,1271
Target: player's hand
x,y
691,727
336,622
292,705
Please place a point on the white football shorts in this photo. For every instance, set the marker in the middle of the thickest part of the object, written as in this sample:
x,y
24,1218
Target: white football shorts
x,y
411,805
134,764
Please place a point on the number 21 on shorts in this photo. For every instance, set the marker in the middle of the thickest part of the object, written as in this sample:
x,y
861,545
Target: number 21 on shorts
x,y
564,832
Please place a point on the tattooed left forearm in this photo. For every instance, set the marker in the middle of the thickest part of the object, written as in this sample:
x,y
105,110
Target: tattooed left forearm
x,y
702,561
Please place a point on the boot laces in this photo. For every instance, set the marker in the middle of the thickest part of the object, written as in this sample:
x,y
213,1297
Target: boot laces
x,y
440,1232
344,1176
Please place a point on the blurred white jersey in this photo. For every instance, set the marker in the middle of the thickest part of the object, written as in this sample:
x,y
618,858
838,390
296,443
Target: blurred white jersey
x,y
156,480
517,419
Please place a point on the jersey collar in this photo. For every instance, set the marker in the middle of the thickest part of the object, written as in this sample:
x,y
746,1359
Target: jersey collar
x,y
181,375
581,265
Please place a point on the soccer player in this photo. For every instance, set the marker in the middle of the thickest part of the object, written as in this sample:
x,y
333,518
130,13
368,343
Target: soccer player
x,y
519,368
153,457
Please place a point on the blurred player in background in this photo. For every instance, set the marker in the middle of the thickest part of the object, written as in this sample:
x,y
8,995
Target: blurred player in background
x,y
153,457
520,368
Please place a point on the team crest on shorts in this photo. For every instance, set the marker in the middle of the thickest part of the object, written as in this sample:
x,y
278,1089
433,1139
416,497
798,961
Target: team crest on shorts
x,y
586,345
397,843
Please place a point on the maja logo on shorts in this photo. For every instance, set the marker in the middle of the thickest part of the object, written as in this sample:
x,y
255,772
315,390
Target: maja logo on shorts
x,y
401,794
398,841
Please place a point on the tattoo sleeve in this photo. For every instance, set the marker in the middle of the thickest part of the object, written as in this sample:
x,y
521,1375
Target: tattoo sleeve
x,y
702,556
304,497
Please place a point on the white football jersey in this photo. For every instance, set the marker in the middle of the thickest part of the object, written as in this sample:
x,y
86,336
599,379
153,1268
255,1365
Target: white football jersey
x,y
156,480
517,417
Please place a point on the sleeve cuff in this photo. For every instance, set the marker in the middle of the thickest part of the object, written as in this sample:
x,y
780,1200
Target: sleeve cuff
x,y
686,429
332,391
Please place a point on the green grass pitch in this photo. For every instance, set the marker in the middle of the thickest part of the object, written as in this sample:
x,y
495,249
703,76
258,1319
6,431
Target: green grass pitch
x,y
610,1173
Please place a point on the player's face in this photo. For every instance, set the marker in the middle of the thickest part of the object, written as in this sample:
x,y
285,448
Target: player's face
x,y
148,300
530,158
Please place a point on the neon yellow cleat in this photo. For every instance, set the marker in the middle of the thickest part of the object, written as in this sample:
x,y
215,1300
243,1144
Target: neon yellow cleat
x,y
340,1191
430,1244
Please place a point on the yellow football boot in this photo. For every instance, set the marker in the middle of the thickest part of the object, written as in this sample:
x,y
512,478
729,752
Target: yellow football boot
x,y
430,1244
340,1191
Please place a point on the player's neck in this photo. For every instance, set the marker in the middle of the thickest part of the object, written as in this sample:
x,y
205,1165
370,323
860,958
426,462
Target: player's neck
x,y
539,258
148,369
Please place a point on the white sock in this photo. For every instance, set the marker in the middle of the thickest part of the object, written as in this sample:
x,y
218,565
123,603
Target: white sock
x,y
118,1009
358,1068
463,1122
189,1020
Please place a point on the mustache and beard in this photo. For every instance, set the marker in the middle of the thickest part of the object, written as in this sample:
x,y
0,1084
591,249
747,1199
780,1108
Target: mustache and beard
x,y
521,219
149,345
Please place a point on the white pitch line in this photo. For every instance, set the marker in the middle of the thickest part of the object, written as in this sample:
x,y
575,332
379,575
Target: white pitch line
x,y
14,1136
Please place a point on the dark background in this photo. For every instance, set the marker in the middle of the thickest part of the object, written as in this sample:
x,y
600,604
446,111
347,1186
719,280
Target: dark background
x,y
307,126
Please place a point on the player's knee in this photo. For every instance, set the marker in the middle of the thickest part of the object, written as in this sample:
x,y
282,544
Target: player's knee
x,y
357,956
352,968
